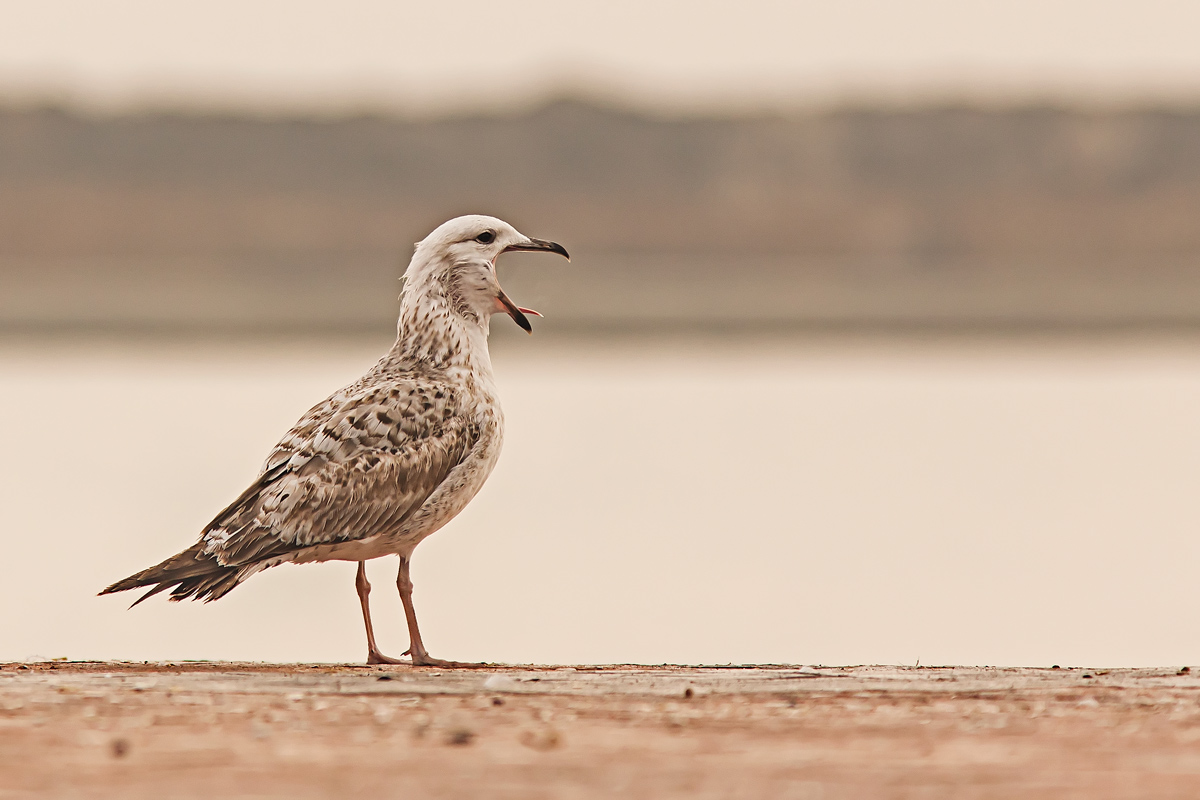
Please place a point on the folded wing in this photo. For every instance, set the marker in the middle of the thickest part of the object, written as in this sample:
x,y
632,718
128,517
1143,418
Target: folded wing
x,y
356,466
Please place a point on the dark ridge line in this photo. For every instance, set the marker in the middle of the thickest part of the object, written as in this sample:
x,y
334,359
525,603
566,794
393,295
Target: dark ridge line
x,y
616,330
73,105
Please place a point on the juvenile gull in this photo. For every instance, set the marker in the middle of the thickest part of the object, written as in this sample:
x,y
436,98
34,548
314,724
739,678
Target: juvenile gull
x,y
386,461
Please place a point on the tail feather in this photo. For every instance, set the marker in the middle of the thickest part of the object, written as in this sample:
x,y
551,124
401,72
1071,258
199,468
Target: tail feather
x,y
191,574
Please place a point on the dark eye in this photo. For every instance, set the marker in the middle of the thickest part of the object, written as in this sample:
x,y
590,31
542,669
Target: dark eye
x,y
487,237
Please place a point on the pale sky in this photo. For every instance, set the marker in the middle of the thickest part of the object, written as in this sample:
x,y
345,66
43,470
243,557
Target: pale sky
x,y
316,54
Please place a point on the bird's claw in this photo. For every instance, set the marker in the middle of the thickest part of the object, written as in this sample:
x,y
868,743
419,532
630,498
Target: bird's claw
x,y
375,657
429,661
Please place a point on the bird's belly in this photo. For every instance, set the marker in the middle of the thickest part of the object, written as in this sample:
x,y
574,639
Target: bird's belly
x,y
361,550
450,498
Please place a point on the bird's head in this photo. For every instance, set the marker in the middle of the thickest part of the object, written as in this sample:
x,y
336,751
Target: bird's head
x,y
458,261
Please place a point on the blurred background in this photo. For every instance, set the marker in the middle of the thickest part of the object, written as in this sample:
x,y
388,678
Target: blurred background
x,y
880,342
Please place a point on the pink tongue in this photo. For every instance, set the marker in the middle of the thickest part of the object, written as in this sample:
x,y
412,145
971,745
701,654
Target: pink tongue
x,y
529,311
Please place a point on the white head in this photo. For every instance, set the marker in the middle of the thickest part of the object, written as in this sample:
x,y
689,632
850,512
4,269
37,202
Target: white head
x,y
457,262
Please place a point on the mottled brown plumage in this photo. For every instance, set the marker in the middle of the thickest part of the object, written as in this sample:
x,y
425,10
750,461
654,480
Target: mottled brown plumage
x,y
386,461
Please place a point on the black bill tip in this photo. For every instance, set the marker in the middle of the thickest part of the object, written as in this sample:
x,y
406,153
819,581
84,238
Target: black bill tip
x,y
518,316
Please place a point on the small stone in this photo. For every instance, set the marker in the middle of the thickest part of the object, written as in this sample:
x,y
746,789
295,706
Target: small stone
x,y
421,727
544,739
688,693
459,736
120,748
499,683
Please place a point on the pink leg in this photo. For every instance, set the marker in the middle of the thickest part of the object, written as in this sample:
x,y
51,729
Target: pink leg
x,y
364,590
419,657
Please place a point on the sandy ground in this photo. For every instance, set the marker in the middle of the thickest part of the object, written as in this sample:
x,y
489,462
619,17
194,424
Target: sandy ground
x,y
252,730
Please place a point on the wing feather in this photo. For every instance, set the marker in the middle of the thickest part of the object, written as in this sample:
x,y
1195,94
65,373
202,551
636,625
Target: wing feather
x,y
357,465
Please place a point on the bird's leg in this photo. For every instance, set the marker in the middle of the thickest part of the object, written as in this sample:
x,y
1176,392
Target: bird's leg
x,y
419,657
405,587
364,591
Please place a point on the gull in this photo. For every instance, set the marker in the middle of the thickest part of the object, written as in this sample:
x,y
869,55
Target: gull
x,y
386,461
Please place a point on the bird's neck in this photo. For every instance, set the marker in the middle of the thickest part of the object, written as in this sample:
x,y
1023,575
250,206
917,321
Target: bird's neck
x,y
434,332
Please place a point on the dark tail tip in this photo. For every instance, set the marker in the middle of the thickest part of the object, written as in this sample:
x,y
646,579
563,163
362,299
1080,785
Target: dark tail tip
x,y
191,574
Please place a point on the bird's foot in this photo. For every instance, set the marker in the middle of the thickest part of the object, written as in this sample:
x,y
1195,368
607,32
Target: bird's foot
x,y
425,660
376,657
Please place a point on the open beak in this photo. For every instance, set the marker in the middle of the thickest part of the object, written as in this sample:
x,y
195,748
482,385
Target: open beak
x,y
527,246
538,246
518,314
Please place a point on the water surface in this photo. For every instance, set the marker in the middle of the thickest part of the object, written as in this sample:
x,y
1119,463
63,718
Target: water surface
x,y
708,500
